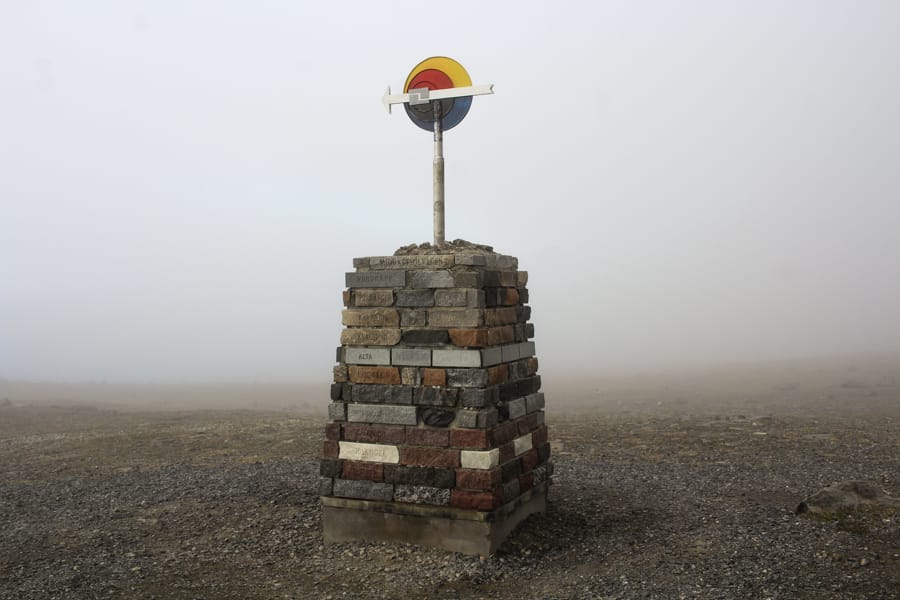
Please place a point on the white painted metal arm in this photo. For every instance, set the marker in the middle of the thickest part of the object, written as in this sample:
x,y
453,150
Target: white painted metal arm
x,y
424,95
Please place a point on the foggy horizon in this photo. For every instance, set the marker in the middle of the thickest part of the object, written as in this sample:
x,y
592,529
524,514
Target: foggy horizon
x,y
688,186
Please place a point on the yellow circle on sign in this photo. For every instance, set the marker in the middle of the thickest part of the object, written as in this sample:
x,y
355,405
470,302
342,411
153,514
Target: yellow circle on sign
x,y
448,66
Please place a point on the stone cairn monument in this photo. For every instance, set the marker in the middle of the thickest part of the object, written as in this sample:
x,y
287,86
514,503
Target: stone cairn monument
x,y
436,433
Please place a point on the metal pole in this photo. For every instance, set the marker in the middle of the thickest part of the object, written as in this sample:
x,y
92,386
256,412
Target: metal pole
x,y
438,176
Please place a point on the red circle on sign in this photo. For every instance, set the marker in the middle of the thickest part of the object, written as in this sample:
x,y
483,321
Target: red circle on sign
x,y
431,79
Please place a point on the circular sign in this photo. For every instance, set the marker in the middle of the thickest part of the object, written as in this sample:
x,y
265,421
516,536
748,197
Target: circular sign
x,y
438,73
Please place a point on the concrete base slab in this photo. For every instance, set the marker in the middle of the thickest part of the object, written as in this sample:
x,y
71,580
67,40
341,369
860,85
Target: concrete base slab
x,y
457,530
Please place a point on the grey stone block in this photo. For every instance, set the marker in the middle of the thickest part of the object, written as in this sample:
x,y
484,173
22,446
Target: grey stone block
x,y
475,299
455,317
523,313
330,467
501,261
375,279
427,476
473,260
338,354
425,337
511,490
510,352
523,295
415,298
380,413
336,389
479,397
361,263
415,357
325,486
451,297
521,279
518,369
337,411
413,318
491,356
488,418
367,356
373,393
534,402
434,396
456,358
468,279
528,329
363,490
517,408
430,279
541,418
476,419
437,417
519,388
477,378
526,349
422,494
415,261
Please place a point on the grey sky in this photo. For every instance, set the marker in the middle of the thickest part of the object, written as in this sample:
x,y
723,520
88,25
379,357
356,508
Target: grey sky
x,y
183,184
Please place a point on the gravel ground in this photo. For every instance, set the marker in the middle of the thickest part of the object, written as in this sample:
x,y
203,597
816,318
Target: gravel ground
x,y
222,504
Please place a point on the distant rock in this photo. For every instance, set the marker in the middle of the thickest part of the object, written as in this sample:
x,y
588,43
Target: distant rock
x,y
848,496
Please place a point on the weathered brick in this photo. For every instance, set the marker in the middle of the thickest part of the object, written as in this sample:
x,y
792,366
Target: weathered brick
x,y
539,418
383,453
337,411
451,297
475,299
544,451
376,434
511,490
470,259
491,356
455,317
326,485
435,377
510,352
421,494
418,436
500,335
521,279
427,456
330,467
479,397
415,298
505,432
336,390
333,431
516,408
479,459
478,479
539,436
497,374
471,338
523,444
412,261
330,449
430,279
434,396
416,357
410,376
437,417
456,358
377,297
473,500
340,373
532,362
528,330
380,375
369,471
501,261
373,279
362,336
413,318
425,337
435,477
526,482
520,387
477,378
380,413
523,313
377,393
511,470
354,355
472,419
468,279
363,490
527,424
479,439
523,295
518,332
370,317
529,460
500,316
346,296
361,262
507,452
534,402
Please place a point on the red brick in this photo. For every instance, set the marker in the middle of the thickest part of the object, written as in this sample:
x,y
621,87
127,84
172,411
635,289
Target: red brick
x,y
434,377
500,335
507,452
498,374
505,432
470,438
527,423
374,434
333,431
426,456
530,460
427,437
509,296
526,482
539,436
475,500
330,449
385,375
469,338
369,471
478,479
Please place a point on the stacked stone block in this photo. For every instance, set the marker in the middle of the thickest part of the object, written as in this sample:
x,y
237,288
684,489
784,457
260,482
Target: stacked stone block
x,y
437,418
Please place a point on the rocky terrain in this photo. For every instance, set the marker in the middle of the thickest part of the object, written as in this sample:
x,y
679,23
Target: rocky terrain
x,y
670,495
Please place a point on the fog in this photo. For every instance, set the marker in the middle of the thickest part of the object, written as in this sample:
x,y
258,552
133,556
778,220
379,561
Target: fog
x,y
183,185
